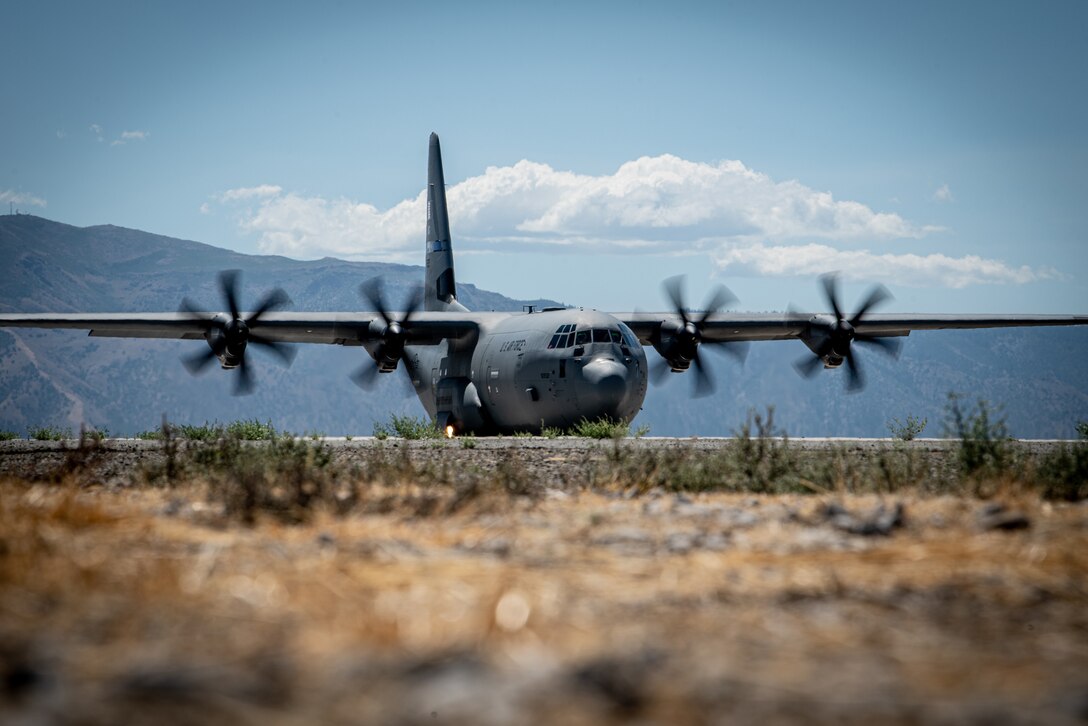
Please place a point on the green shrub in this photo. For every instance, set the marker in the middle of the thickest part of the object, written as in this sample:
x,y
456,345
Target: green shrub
x,y
602,428
406,427
95,435
204,432
468,442
282,476
149,435
765,458
983,435
8,435
251,430
550,432
49,433
1082,429
907,430
1063,474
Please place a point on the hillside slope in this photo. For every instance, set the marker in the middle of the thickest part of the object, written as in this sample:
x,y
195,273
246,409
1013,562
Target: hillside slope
x,y
65,377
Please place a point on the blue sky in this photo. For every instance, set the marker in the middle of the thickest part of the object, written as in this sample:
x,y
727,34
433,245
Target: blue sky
x,y
591,149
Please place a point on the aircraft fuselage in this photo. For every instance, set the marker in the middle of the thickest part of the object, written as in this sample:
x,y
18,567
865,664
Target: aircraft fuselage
x,y
529,371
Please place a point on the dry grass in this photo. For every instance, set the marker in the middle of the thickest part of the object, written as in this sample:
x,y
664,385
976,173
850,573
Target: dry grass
x,y
480,597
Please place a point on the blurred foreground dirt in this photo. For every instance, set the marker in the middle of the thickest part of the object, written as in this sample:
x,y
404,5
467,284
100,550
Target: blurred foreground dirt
x,y
137,604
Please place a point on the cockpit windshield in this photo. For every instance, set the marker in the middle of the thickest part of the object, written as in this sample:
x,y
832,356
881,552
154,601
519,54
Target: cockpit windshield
x,y
565,336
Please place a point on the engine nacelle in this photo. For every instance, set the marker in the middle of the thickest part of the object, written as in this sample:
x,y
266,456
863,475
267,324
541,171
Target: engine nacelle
x,y
228,340
818,338
677,345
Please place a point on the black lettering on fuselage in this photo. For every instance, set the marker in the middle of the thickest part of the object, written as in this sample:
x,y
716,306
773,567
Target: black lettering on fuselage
x,y
512,346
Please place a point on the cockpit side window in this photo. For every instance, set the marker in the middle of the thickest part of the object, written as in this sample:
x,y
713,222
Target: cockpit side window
x,y
629,336
616,337
562,339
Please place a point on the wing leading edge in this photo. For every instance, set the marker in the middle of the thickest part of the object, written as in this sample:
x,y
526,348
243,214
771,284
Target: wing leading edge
x,y
326,328
771,326
433,327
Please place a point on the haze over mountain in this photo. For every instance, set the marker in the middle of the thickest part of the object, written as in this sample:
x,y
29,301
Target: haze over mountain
x,y
65,377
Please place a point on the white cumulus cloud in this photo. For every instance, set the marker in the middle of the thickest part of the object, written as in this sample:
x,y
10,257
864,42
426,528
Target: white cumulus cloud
x,y
242,193
13,197
127,136
744,220
904,269
943,194
658,203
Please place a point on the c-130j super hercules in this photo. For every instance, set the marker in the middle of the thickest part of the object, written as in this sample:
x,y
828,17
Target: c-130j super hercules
x,y
490,373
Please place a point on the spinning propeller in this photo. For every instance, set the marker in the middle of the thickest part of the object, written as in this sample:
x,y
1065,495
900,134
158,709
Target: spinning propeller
x,y
833,340
393,337
228,339
681,348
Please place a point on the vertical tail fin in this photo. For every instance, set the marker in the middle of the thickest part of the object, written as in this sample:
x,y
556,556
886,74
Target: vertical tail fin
x,y
441,288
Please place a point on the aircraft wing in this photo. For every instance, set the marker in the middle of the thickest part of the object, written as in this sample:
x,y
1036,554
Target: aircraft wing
x,y
775,326
426,328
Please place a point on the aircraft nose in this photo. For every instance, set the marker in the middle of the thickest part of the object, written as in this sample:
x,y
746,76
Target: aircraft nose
x,y
607,379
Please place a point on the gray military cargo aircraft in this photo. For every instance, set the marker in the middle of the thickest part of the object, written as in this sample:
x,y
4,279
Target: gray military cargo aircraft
x,y
490,373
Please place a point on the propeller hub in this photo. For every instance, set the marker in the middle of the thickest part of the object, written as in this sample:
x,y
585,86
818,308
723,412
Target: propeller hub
x,y
236,333
228,334
830,342
842,335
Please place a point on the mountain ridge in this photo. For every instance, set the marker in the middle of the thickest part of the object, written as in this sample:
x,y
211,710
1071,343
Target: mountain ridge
x,y
55,377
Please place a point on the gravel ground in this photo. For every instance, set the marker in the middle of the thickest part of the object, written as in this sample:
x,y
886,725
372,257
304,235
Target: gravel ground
x,y
552,462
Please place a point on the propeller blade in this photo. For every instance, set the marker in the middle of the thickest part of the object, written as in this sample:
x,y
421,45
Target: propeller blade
x,y
197,362
189,308
704,382
674,288
284,351
855,381
274,299
243,384
831,292
808,366
228,285
659,370
890,346
365,375
415,300
877,295
721,297
735,349
372,291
